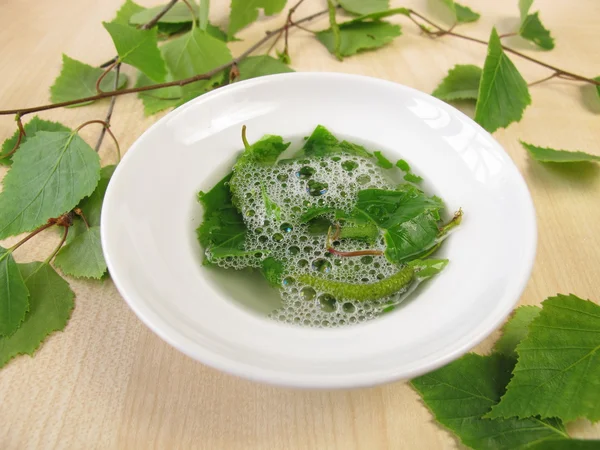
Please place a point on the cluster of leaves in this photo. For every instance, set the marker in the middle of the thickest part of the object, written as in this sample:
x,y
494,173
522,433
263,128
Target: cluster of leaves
x,y
543,372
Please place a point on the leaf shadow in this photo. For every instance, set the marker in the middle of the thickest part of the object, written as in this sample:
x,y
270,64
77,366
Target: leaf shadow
x,y
590,98
578,175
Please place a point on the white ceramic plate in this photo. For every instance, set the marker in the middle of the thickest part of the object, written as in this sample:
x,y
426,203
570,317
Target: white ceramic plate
x,y
150,214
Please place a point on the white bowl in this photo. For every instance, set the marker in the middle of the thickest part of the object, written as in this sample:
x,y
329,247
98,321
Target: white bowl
x,y
150,214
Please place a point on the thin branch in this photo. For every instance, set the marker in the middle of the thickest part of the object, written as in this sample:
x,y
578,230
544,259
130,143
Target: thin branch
x,y
441,32
111,107
554,75
183,82
505,35
32,234
159,16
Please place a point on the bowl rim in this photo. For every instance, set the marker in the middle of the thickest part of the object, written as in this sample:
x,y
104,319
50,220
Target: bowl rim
x,y
255,372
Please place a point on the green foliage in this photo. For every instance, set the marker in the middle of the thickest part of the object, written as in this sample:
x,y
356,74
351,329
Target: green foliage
x,y
461,393
533,30
272,208
524,6
179,13
14,296
558,373
265,151
412,178
244,12
503,93
31,128
195,53
407,217
382,161
92,206
50,306
360,7
222,230
321,143
138,48
257,66
462,14
126,11
557,156
273,270
51,173
358,35
335,31
83,257
515,330
77,80
461,83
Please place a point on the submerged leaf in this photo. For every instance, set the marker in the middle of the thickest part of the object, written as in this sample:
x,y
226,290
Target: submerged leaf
x,y
558,373
272,270
31,128
382,161
50,306
51,173
14,296
138,48
545,154
461,83
78,80
503,93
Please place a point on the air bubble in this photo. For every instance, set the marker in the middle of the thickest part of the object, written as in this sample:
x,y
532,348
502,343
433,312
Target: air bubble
x,y
327,302
305,172
308,293
321,265
286,227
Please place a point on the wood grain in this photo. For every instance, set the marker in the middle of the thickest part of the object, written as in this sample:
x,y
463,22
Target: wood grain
x,y
108,382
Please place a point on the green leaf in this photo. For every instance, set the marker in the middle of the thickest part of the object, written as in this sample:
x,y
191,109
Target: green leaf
x,y
382,161
566,444
272,208
272,270
360,7
460,393
374,16
138,48
92,206
461,83
195,53
356,36
524,6
403,165
558,373
515,330
265,151
462,14
335,31
82,257
127,9
321,143
503,93
14,296
412,178
179,13
50,306
533,30
545,154
158,99
203,14
597,86
31,128
51,173
258,66
244,12
408,218
222,230
77,80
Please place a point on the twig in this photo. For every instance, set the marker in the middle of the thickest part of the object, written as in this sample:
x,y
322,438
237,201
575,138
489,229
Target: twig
x,y
106,126
554,75
183,82
505,35
50,223
333,251
111,107
159,16
442,32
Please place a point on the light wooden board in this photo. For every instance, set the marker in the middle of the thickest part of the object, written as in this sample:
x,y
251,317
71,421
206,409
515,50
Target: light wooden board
x,y
108,382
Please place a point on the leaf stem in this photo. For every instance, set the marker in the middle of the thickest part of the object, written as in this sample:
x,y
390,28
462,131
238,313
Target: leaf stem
x,y
554,75
80,213
158,16
111,107
58,247
101,77
244,140
192,12
183,82
505,35
106,126
442,32
32,234
19,137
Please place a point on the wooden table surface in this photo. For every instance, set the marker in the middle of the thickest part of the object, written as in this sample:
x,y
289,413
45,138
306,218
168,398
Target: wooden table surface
x,y
108,382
